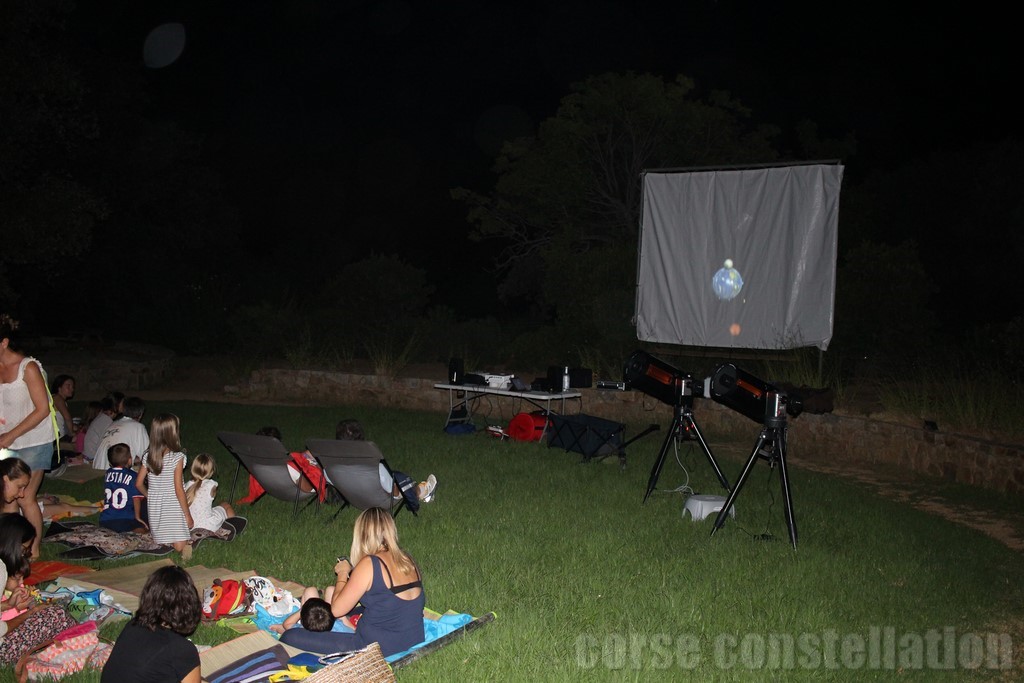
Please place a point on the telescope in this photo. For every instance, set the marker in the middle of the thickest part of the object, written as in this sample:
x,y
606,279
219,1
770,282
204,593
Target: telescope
x,y
670,385
657,379
750,396
767,405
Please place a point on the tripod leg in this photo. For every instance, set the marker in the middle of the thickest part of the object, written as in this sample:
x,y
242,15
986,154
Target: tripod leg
x,y
660,462
707,452
780,447
720,520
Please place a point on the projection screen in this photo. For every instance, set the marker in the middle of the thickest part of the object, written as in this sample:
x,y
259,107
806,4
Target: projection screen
x,y
739,258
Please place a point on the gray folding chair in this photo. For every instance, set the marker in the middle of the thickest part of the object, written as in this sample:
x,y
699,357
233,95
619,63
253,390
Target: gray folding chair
x,y
352,468
267,460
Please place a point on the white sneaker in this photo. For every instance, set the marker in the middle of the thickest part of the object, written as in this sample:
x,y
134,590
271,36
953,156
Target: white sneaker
x,y
427,489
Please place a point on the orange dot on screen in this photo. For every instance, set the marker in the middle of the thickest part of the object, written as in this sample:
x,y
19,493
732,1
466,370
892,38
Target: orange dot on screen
x,y
735,329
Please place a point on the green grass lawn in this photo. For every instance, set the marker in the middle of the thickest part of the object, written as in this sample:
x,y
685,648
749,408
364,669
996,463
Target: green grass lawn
x,y
588,583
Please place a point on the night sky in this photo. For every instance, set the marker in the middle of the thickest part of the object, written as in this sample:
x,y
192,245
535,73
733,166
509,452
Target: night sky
x,y
318,114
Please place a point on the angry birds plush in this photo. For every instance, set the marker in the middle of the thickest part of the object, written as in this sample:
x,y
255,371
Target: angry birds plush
x,y
226,598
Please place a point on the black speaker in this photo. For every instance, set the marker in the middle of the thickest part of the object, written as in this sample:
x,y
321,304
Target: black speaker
x,y
456,371
555,375
581,378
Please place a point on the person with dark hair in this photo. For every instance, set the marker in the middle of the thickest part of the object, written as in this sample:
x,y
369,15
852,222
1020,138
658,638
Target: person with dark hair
x,y
122,500
314,615
62,390
25,430
93,409
15,533
126,429
154,646
15,475
352,430
98,427
30,625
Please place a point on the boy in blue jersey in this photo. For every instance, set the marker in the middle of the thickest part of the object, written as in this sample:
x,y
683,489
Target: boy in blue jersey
x,y
122,501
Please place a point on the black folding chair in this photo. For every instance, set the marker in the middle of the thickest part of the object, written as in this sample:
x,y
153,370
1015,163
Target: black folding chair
x,y
353,469
267,460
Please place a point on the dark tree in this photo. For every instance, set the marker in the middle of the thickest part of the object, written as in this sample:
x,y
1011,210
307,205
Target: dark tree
x,y
47,211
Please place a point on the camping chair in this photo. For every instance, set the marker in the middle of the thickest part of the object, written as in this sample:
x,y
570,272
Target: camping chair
x,y
352,469
267,460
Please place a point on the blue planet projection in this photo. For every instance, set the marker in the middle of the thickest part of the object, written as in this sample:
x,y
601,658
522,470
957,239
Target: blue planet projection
x,y
727,282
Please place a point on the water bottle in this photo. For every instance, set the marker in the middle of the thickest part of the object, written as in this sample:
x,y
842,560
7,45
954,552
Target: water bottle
x,y
565,379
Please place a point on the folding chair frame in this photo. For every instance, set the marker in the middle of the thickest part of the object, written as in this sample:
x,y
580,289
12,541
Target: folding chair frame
x,y
330,451
265,451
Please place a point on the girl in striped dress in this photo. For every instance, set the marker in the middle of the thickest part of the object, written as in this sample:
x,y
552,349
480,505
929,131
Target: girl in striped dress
x,y
169,517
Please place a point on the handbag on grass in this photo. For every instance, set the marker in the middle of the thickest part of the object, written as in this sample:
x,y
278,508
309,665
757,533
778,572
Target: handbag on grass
x,y
362,666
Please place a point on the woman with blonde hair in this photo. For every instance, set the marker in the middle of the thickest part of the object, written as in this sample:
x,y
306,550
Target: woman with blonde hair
x,y
384,580
160,480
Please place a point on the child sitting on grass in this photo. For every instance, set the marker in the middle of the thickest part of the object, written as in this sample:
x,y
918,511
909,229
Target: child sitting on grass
x,y
200,492
122,501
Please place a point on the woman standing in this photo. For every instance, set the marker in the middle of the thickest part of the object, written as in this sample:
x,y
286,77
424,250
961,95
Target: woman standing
x,y
25,430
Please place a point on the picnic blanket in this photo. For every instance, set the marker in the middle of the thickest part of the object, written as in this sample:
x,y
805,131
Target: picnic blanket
x,y
89,541
48,570
80,473
125,584
440,629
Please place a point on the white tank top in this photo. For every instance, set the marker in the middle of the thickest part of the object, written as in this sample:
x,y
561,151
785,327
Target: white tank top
x,y
16,404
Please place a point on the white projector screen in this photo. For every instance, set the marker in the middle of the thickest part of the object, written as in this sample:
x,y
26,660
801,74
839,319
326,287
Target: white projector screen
x,y
739,258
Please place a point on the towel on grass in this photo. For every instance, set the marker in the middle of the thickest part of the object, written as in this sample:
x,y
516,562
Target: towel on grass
x,y
89,541
47,570
435,625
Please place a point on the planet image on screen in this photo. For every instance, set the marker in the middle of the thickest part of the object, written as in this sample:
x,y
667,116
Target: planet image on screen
x,y
727,282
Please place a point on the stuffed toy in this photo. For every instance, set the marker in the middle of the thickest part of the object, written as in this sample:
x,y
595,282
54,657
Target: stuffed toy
x,y
226,598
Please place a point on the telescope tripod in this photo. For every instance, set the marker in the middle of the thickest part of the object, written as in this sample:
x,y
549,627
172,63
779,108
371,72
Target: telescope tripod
x,y
683,419
771,446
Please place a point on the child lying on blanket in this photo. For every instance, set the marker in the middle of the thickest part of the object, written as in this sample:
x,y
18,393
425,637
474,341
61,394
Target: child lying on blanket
x,y
314,615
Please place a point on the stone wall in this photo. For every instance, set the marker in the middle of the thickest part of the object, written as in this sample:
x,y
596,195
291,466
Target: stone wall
x,y
122,367
832,439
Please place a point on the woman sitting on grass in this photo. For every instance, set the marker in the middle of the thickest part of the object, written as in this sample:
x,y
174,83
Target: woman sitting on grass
x,y
25,624
154,646
384,580
15,475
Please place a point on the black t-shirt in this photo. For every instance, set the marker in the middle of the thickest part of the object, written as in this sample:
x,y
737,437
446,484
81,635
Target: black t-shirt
x,y
150,657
